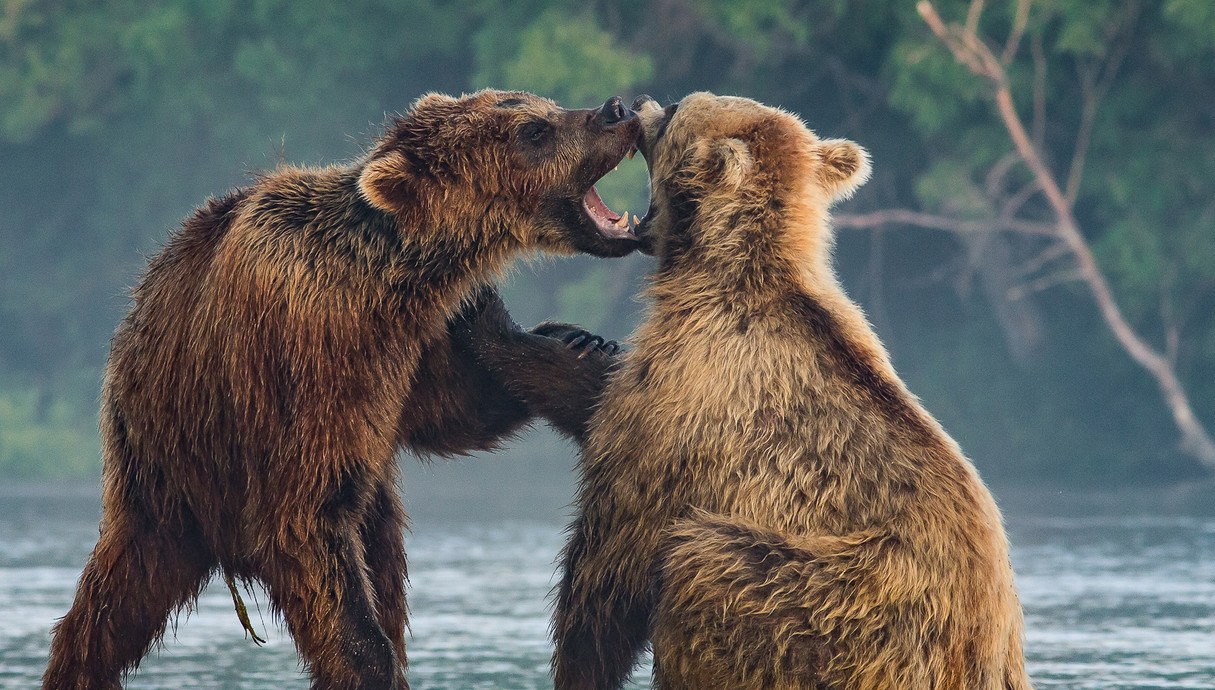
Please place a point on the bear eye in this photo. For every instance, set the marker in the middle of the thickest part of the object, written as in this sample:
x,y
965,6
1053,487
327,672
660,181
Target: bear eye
x,y
535,132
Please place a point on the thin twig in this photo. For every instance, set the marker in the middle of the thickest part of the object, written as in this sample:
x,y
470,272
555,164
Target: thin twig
x,y
995,176
1013,204
1026,289
1084,134
1094,90
1018,30
1039,59
972,18
1055,251
901,216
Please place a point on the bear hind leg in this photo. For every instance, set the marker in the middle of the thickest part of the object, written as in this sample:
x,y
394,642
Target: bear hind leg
x,y
140,572
384,549
736,605
322,589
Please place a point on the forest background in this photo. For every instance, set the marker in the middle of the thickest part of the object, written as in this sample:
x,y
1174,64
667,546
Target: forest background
x,y
988,261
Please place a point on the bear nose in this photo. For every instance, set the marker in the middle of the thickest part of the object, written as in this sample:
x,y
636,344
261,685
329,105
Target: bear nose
x,y
613,111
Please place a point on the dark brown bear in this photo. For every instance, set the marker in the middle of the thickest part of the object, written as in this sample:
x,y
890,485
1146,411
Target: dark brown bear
x,y
288,341
761,497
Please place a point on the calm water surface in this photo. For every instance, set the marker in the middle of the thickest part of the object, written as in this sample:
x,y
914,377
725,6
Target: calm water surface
x,y
1116,596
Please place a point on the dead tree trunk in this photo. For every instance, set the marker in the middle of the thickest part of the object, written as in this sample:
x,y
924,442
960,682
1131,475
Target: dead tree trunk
x,y
971,51
964,43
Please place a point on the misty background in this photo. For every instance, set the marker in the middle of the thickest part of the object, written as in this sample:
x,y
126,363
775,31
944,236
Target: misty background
x,y
118,117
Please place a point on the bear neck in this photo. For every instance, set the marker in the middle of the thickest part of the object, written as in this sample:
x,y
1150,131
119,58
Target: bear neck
x,y
444,253
470,246
759,262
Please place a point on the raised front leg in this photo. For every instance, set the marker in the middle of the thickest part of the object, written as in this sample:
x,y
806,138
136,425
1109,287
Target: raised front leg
x,y
557,370
459,404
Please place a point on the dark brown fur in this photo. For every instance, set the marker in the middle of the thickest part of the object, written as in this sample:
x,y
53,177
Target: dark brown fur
x,y
281,349
761,497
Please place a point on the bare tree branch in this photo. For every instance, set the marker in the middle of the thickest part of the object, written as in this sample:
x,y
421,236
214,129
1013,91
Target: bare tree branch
x,y
1041,283
1055,251
1093,91
976,55
972,18
995,176
1013,204
1039,58
1088,114
901,216
1018,30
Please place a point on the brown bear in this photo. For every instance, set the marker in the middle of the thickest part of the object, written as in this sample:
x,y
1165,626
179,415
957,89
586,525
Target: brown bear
x,y
760,495
288,341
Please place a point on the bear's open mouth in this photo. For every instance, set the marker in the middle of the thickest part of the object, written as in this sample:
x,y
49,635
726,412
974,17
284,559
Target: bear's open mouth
x,y
612,225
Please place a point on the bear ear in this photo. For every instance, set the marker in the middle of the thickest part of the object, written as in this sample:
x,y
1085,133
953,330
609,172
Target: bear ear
x,y
389,177
724,162
845,167
433,101
385,183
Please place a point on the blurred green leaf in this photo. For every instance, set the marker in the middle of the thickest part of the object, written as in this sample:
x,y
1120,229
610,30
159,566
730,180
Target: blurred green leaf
x,y
117,117
569,59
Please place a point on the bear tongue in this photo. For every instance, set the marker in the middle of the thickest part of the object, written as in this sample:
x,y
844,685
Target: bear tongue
x,y
610,224
598,210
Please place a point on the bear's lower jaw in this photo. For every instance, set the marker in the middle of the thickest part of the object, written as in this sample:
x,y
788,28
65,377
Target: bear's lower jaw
x,y
610,224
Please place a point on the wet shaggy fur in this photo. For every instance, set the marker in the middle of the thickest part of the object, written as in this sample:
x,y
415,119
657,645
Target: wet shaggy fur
x,y
281,349
761,497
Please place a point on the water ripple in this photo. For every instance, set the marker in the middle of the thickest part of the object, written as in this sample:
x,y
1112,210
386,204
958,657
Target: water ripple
x,y
1116,603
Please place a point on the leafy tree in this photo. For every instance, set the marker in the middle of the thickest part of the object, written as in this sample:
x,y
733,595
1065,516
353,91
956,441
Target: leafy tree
x,y
117,117
1019,181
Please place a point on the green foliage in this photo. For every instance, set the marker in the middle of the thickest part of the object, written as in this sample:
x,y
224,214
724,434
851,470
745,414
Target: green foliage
x,y
947,187
937,91
759,24
625,189
566,57
117,117
53,443
581,301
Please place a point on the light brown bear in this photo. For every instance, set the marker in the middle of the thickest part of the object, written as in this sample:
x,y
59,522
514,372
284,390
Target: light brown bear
x,y
289,341
760,494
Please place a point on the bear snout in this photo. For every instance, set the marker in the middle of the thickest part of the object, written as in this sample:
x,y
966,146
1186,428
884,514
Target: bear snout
x,y
613,112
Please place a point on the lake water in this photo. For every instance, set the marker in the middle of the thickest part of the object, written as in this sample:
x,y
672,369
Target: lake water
x,y
1119,593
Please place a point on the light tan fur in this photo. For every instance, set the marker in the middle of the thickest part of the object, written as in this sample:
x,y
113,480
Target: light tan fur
x,y
760,493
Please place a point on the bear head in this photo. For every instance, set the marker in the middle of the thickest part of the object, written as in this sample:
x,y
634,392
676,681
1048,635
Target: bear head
x,y
716,161
508,161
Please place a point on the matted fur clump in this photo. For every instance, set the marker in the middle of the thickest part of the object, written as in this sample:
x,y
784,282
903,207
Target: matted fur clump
x,y
760,494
